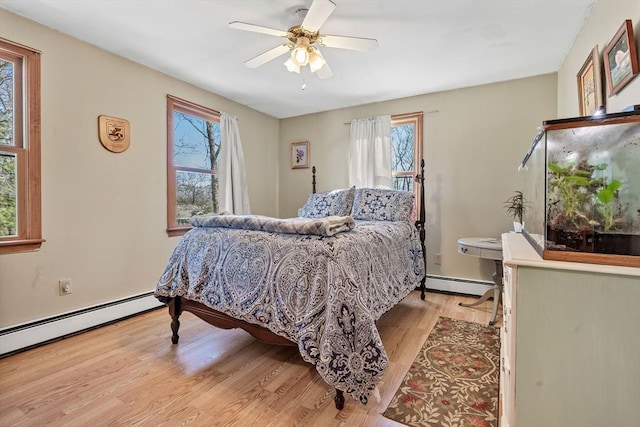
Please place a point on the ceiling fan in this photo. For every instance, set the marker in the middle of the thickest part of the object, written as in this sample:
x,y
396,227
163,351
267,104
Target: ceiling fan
x,y
302,41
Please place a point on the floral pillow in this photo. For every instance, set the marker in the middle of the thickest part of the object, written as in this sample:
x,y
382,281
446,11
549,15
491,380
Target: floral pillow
x,y
328,203
376,204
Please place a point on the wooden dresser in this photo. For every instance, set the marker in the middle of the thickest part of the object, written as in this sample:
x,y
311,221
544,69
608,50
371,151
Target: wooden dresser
x,y
570,341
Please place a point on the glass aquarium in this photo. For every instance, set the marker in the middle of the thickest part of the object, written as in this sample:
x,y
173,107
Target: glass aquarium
x,y
533,191
591,189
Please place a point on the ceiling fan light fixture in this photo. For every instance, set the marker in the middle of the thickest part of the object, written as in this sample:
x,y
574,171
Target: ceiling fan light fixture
x,y
316,61
300,54
292,66
302,41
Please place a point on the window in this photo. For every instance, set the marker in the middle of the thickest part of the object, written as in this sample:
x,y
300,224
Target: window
x,y
20,216
193,149
406,151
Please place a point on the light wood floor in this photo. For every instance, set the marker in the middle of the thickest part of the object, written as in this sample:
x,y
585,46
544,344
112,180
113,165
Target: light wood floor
x,y
129,374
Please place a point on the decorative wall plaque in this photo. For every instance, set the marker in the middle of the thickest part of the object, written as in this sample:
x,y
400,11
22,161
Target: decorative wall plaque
x,y
114,133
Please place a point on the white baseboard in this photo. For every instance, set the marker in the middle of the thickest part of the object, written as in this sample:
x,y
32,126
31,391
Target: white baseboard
x,y
23,336
26,335
458,286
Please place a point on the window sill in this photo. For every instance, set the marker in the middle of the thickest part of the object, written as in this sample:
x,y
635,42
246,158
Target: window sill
x,y
178,231
16,246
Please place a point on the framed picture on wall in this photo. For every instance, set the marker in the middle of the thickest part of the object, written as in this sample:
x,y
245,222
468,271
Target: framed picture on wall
x,y
300,155
590,85
620,59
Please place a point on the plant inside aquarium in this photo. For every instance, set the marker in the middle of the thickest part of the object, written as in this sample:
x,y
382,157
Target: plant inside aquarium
x,y
606,198
582,200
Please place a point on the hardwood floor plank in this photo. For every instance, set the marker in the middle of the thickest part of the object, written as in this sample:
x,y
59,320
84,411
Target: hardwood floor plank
x,y
130,374
11,415
97,412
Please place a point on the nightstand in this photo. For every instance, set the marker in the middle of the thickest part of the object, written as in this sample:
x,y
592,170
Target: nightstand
x,y
487,248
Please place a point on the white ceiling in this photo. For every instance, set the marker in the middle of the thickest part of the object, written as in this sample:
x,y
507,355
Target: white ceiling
x,y
425,46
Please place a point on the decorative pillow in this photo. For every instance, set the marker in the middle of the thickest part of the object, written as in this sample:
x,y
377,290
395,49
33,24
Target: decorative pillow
x,y
376,204
328,203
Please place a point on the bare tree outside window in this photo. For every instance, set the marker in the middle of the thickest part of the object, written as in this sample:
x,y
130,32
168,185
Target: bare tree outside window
x,y
8,190
406,151
196,145
8,183
402,156
6,102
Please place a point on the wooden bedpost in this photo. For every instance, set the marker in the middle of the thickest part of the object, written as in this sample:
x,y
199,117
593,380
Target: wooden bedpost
x,y
175,310
339,399
313,179
420,225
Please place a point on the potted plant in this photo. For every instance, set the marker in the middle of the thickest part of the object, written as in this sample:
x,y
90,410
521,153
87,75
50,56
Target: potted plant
x,y
516,206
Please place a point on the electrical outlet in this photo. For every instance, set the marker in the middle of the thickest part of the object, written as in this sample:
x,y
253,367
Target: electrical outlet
x,y
437,259
64,286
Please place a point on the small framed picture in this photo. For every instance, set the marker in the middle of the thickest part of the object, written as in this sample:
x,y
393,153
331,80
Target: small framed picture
x,y
590,85
300,155
620,59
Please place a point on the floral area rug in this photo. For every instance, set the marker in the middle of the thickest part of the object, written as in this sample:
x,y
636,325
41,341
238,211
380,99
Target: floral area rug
x,y
454,379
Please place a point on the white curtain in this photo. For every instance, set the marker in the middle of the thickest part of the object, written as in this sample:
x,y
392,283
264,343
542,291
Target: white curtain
x,y
233,192
370,152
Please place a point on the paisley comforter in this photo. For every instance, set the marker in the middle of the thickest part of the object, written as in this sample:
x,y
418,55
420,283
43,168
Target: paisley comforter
x,y
324,293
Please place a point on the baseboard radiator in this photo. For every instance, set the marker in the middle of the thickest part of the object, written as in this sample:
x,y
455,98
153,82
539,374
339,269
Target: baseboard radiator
x,y
25,336
458,286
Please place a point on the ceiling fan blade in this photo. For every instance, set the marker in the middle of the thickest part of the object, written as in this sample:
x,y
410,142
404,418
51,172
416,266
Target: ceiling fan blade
x,y
318,14
267,56
257,29
351,43
324,72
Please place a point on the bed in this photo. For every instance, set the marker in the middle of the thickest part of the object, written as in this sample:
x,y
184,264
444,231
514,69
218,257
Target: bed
x,y
318,282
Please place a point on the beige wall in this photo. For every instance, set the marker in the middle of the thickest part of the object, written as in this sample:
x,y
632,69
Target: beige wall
x,y
104,214
604,20
472,147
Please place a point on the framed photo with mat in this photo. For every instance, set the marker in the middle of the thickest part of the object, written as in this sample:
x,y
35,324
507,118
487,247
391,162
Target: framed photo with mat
x,y
300,155
590,97
620,59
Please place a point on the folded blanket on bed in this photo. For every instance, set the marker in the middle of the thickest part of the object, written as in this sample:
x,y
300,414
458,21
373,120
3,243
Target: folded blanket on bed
x,y
327,226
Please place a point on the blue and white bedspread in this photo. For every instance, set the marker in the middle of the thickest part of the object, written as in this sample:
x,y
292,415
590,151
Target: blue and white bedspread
x,y
324,293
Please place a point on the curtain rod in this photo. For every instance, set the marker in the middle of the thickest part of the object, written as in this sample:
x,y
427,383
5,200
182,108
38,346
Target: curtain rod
x,y
423,112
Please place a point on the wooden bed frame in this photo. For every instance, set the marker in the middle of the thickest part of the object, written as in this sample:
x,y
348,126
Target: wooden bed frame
x,y
178,305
